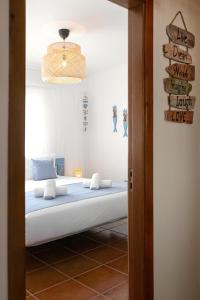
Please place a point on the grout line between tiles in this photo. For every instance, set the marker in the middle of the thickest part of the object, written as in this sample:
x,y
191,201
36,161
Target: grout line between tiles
x,y
51,265
52,286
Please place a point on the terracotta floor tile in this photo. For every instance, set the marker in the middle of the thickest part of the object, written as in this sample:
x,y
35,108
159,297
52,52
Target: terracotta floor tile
x,y
56,255
30,298
69,290
42,279
106,236
119,293
32,263
81,245
123,229
121,244
76,265
100,297
120,264
102,279
104,254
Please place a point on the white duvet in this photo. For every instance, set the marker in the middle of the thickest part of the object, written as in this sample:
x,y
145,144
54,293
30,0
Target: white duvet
x,y
56,222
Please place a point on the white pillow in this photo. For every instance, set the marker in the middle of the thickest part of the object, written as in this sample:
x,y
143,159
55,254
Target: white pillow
x,y
28,164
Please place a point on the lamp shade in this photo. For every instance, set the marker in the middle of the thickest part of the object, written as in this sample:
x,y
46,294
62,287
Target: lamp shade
x,y
63,64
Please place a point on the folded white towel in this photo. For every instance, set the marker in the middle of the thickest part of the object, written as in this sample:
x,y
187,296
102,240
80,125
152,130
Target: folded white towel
x,y
50,189
38,192
60,191
95,181
103,183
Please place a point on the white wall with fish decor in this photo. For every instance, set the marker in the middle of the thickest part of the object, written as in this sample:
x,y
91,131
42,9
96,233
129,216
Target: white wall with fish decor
x,y
105,151
54,120
176,171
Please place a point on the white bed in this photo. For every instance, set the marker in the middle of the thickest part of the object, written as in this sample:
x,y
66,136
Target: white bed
x,y
67,219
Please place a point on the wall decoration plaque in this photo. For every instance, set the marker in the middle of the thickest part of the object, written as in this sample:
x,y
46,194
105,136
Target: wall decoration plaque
x,y
115,118
180,36
182,102
179,116
85,113
174,52
178,85
125,122
182,71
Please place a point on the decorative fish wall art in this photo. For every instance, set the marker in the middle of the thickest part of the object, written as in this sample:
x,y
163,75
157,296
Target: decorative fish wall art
x,y
115,118
125,122
85,113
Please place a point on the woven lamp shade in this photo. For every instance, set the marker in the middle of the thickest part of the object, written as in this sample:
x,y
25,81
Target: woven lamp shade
x,y
63,64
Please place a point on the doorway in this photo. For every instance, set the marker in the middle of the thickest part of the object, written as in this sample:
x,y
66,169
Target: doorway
x,y
140,150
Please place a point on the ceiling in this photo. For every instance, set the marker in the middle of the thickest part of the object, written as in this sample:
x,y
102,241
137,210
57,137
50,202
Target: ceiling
x,y
104,40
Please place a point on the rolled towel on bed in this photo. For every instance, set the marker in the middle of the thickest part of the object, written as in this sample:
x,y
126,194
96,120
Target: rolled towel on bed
x,y
50,190
60,191
95,181
38,192
103,183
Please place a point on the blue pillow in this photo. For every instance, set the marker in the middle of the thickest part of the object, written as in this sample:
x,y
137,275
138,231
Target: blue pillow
x,y
43,169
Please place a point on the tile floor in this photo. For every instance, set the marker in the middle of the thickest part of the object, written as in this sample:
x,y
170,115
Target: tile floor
x,y
90,265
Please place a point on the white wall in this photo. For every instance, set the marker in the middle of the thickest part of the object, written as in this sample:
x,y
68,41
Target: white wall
x,y
176,180
107,152
54,120
3,145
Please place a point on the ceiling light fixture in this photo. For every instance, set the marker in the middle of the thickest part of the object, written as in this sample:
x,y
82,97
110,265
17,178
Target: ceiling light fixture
x,y
63,63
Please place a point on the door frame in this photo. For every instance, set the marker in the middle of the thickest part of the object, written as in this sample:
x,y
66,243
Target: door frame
x,y
140,106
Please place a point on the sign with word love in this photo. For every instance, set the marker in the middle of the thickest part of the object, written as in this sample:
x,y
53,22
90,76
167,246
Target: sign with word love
x,y
179,116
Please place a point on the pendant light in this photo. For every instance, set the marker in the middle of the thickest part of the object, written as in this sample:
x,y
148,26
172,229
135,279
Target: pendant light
x,y
63,63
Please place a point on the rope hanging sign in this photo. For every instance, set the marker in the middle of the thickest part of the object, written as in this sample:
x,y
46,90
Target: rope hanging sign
x,y
180,71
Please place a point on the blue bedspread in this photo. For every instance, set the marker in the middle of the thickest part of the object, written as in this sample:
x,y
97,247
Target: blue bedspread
x,y
76,192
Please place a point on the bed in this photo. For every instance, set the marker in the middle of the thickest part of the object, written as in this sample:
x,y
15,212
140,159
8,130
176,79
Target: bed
x,y
58,221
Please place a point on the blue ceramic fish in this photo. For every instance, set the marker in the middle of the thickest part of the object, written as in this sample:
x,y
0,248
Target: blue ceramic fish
x,y
115,118
125,122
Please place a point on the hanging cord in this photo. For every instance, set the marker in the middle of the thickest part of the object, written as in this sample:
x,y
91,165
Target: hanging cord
x,y
182,18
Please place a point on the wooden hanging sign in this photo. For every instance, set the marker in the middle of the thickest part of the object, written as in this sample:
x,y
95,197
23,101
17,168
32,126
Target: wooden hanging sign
x,y
177,86
182,71
179,116
174,52
180,36
182,102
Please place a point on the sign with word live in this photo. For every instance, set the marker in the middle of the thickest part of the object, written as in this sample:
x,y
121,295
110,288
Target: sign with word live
x,y
180,36
181,73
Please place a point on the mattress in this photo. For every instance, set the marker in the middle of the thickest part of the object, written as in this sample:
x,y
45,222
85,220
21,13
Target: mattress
x,y
56,222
